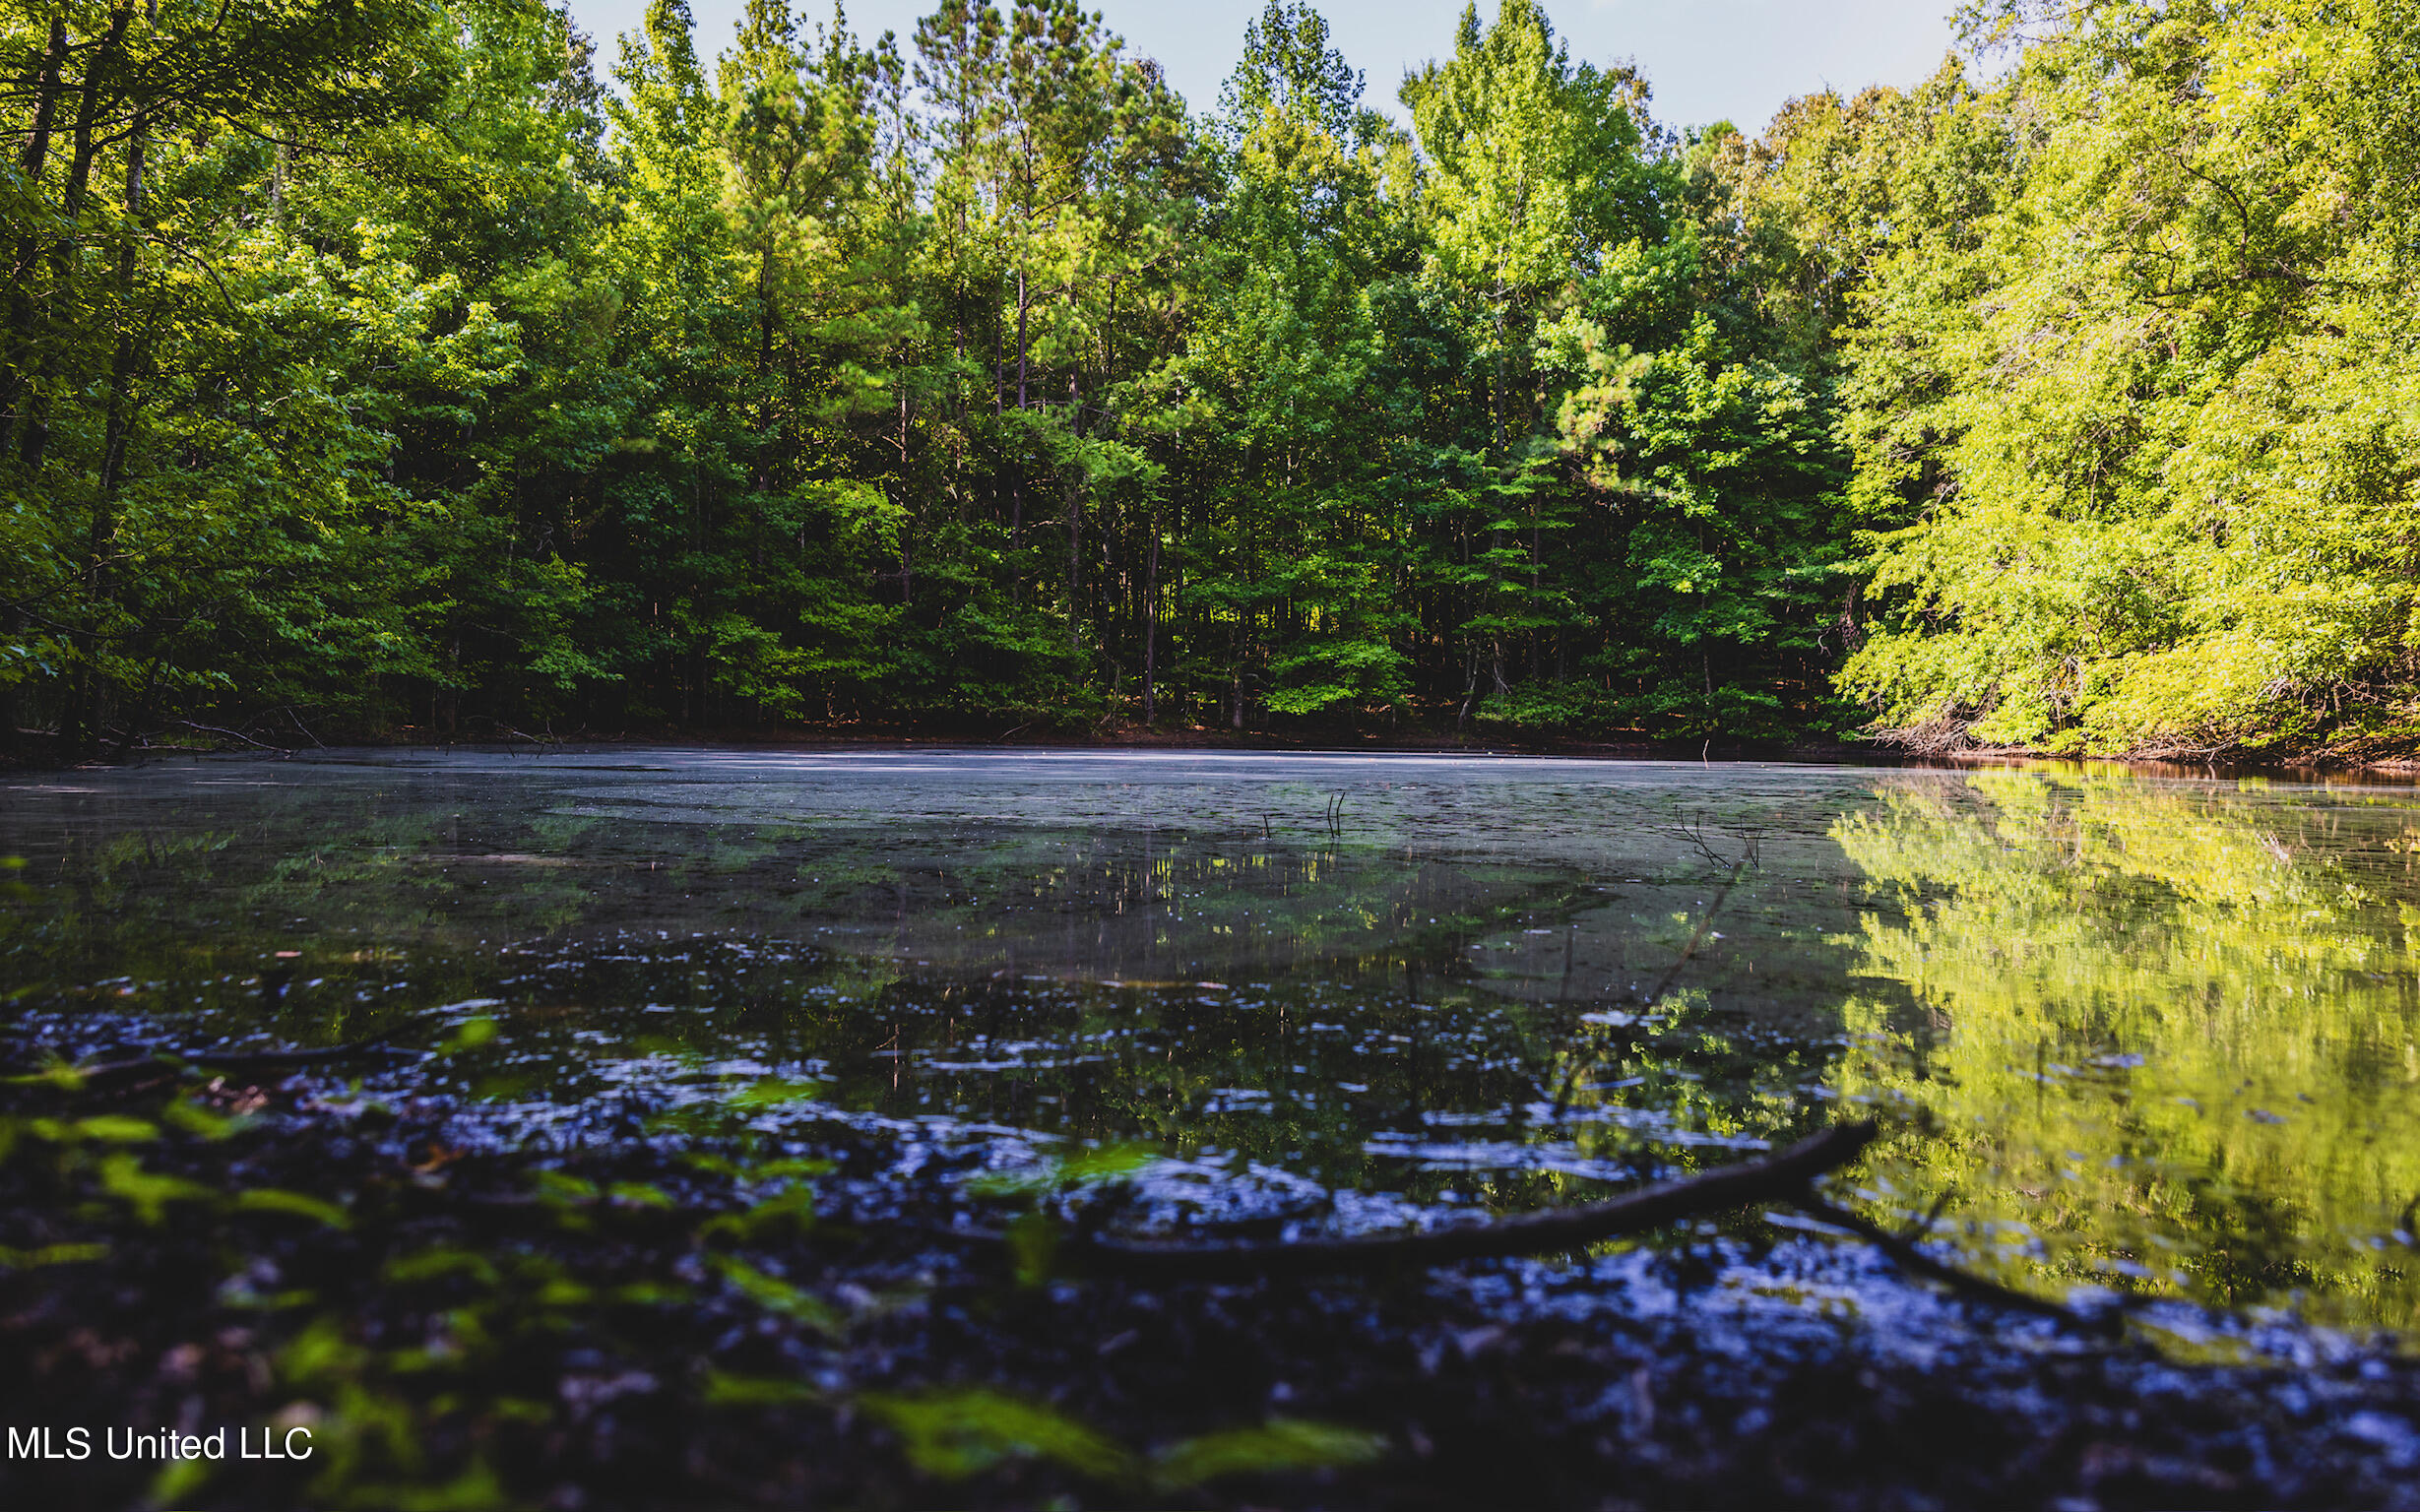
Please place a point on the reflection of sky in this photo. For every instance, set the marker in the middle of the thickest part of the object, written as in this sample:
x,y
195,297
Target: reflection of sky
x,y
1707,59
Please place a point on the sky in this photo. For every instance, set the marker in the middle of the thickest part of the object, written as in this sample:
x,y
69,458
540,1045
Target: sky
x,y
1707,60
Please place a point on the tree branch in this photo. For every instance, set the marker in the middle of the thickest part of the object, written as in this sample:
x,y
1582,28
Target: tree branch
x,y
1779,1177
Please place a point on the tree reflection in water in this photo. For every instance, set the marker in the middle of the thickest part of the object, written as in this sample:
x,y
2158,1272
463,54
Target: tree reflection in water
x,y
2166,1040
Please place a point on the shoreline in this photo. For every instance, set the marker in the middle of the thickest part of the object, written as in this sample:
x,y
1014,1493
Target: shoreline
x,y
2304,766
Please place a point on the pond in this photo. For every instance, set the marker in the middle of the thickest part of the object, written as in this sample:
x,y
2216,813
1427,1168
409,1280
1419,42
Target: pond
x,y
2157,1035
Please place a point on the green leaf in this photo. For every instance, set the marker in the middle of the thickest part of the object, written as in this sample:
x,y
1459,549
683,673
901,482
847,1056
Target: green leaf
x,y
639,1194
201,1121
1279,1446
955,1435
724,1390
1103,1163
270,1199
117,1129
774,1092
560,1188
430,1264
470,1035
147,1193
50,1255
777,1296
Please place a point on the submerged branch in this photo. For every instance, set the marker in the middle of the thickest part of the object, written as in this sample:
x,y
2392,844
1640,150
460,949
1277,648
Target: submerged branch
x,y
145,1069
1910,1258
1777,1178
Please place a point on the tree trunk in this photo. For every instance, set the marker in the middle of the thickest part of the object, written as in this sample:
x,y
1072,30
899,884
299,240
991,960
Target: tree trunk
x,y
1537,561
31,162
1151,621
1496,395
1074,492
71,206
117,429
907,528
1072,487
764,304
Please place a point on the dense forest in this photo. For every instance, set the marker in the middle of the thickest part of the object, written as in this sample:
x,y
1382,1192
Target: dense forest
x,y
377,365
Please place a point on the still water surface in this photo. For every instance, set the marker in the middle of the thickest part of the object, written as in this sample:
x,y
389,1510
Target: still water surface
x,y
2151,1035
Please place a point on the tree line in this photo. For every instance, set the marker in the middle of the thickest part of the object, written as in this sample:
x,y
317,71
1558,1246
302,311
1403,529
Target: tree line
x,y
378,365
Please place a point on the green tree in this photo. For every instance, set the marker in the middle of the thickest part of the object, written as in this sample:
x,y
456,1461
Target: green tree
x,y
2166,425
1299,558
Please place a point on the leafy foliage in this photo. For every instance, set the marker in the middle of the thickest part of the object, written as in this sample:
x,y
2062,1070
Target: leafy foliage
x,y
2133,384
385,369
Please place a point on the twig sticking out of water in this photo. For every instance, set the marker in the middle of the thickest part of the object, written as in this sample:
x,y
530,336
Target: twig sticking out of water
x,y
1695,832
234,735
1705,921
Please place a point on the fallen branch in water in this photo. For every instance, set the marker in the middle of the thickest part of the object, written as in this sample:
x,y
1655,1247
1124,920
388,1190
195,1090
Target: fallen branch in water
x,y
267,1060
1781,1177
274,1060
1910,1258
144,1070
